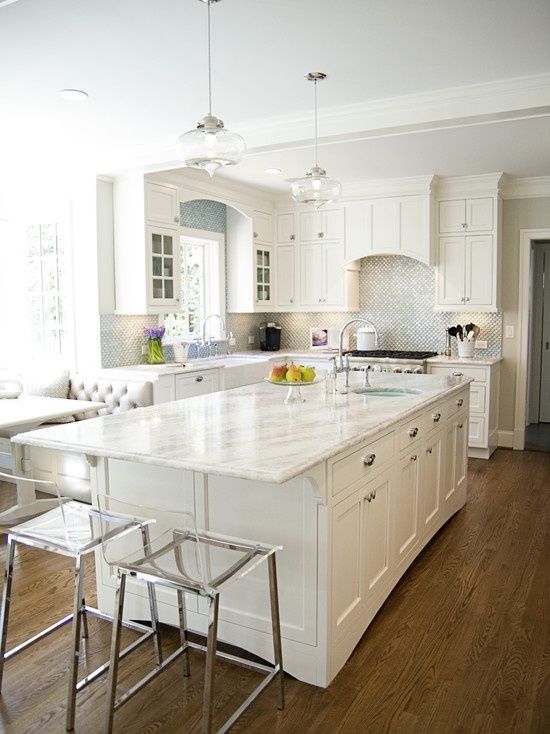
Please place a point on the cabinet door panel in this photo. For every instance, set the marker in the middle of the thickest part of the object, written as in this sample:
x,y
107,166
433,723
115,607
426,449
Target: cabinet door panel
x,y
406,507
414,227
333,274
432,476
311,275
163,267
346,564
333,224
263,227
285,275
375,551
385,225
461,454
162,204
479,214
264,270
311,225
452,216
286,232
188,386
358,238
479,270
451,270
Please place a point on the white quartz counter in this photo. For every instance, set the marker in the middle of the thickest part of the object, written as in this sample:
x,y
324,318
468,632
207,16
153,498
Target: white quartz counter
x,y
247,432
481,361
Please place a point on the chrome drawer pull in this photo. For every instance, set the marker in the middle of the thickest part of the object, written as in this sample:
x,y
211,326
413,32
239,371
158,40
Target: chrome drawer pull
x,y
369,460
200,378
460,402
413,432
414,457
460,425
436,417
429,451
458,374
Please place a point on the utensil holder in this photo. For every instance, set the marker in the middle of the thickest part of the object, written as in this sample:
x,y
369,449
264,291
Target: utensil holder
x,y
466,348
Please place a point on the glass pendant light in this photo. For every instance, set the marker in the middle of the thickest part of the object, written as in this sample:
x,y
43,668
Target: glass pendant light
x,y
315,187
210,146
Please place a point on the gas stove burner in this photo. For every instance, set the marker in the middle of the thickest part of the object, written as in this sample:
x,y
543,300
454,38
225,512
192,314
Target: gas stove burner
x,y
390,354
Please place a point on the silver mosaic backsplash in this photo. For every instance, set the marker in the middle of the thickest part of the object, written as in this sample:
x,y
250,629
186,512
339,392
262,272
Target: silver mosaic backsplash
x,y
397,294
203,214
122,338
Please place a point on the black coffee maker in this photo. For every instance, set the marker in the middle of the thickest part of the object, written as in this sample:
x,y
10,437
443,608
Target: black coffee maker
x,y
270,336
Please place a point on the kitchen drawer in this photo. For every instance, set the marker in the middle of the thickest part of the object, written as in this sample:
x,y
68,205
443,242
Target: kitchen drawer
x,y
196,383
476,431
416,429
363,463
437,415
477,398
479,374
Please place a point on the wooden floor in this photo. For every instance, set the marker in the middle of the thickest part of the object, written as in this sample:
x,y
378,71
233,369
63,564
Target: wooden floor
x,y
462,646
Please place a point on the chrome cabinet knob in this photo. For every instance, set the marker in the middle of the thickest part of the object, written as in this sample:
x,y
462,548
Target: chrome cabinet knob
x,y
436,417
291,300
176,220
458,374
461,425
460,402
200,378
429,451
414,457
292,237
254,234
413,432
320,235
369,460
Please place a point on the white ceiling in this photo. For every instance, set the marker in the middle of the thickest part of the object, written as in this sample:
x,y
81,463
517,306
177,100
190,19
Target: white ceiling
x,y
143,63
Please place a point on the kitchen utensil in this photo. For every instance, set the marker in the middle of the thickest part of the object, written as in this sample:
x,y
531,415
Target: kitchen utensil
x,y
459,331
452,331
476,331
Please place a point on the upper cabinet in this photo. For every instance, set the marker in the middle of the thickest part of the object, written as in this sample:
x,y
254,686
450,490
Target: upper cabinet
x,y
286,228
322,225
390,225
468,270
466,215
161,204
262,227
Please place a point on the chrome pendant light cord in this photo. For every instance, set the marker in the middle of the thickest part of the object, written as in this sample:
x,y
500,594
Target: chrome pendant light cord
x,y
209,65
316,137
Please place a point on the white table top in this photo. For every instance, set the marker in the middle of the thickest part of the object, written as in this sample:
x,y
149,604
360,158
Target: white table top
x,y
30,411
247,432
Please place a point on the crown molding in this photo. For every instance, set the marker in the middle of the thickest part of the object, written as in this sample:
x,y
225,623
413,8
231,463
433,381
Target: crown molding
x,y
488,184
526,188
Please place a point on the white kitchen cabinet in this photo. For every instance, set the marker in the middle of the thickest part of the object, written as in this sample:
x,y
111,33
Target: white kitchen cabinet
x,y
161,206
467,274
286,228
197,383
406,507
251,266
466,215
321,270
484,401
390,225
286,286
432,480
325,224
163,268
262,227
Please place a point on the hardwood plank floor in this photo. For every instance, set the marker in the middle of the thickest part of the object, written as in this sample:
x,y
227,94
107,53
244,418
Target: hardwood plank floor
x,y
462,646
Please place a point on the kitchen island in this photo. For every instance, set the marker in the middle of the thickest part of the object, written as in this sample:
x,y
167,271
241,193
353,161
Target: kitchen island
x,y
352,486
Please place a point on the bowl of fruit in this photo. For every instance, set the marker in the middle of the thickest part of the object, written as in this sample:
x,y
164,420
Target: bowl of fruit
x,y
292,376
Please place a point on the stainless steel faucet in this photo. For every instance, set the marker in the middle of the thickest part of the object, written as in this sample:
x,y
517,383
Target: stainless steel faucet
x,y
206,319
344,366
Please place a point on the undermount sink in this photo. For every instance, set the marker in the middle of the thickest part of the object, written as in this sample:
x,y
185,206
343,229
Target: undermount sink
x,y
386,392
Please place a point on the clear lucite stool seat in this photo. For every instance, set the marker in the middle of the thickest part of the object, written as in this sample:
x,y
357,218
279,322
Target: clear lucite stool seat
x,y
72,529
203,563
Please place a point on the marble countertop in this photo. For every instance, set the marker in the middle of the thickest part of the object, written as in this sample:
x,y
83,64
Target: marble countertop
x,y
481,361
247,432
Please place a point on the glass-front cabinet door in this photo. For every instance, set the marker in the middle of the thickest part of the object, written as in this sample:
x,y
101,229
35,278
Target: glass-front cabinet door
x,y
163,267
264,275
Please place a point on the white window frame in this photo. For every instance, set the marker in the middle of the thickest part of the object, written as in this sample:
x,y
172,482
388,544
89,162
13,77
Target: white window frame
x,y
214,243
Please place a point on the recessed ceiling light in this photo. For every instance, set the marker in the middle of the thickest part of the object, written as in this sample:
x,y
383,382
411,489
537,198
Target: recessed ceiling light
x,y
273,171
76,95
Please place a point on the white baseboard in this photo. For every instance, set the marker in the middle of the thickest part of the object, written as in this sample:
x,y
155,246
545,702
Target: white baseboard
x,y
506,439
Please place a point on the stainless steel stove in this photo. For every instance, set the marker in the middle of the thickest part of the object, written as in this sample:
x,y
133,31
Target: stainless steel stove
x,y
387,360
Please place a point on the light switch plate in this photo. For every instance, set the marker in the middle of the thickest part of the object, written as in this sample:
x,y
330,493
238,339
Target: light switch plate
x,y
481,343
251,339
509,332
144,349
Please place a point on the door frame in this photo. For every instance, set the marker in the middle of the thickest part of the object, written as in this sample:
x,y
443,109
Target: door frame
x,y
526,237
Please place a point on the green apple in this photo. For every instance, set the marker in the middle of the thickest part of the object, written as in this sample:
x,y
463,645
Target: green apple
x,y
308,374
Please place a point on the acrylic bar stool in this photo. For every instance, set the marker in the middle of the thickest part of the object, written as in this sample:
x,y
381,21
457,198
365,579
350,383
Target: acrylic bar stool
x,y
72,529
189,561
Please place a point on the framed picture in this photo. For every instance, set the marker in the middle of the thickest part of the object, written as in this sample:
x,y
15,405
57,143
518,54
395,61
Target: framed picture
x,y
318,338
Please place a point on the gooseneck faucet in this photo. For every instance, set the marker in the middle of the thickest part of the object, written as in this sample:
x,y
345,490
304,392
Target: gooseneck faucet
x,y
205,321
343,366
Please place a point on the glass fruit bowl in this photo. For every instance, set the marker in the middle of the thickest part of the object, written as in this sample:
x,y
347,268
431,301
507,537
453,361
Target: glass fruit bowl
x,y
294,394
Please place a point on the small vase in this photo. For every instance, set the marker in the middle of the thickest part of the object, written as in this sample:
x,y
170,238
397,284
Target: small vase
x,y
155,355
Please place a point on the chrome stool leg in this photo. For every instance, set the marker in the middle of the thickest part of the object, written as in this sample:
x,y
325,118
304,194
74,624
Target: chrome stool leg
x,y
75,652
210,661
85,630
276,626
6,599
153,608
183,633
115,649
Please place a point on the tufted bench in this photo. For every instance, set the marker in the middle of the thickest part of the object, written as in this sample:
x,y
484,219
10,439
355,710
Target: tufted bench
x,y
119,395
70,472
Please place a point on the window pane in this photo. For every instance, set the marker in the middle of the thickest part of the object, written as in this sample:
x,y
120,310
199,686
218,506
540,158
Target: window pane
x,y
266,275
168,267
168,288
48,239
49,273
157,266
259,275
168,250
266,257
157,244
157,288
259,257
32,237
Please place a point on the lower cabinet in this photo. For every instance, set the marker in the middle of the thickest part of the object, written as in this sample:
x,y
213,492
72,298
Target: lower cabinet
x,y
197,383
432,480
406,508
456,464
